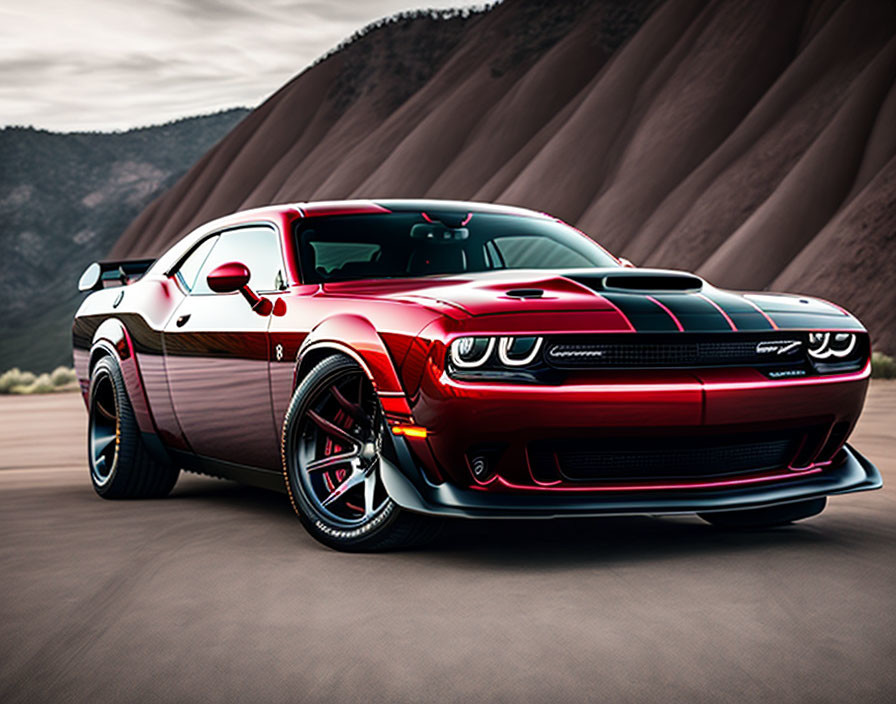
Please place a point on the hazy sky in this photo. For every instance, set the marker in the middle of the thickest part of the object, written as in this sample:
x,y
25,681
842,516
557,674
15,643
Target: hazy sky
x,y
113,64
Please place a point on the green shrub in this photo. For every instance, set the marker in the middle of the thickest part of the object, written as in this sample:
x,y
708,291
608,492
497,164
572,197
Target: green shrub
x,y
41,385
883,366
13,379
63,376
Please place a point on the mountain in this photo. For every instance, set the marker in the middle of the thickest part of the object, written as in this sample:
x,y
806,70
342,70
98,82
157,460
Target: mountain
x,y
752,141
65,199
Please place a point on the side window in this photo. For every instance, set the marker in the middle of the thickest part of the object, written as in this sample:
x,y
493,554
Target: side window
x,y
256,247
191,265
536,252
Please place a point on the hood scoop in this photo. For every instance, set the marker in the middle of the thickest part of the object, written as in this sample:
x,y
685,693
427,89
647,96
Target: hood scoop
x,y
641,282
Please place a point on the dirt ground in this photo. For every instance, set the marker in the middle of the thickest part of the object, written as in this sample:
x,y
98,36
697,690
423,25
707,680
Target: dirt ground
x,y
216,594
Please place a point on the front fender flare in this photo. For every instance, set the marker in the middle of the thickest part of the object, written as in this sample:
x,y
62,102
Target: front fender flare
x,y
356,337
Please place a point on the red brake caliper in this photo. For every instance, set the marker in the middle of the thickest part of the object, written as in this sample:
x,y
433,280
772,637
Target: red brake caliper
x,y
346,422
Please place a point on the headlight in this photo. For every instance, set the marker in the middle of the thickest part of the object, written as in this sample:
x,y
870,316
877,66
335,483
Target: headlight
x,y
518,351
831,345
469,352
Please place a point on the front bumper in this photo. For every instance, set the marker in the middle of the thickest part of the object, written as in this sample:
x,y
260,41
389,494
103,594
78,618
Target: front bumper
x,y
511,421
405,483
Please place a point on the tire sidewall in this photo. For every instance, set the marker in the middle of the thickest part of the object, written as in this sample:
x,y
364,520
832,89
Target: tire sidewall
x,y
135,473
106,367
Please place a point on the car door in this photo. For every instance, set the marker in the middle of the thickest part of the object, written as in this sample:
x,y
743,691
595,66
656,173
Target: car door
x,y
217,351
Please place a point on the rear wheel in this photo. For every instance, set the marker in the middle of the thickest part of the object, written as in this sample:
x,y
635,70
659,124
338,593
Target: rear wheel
x,y
120,465
334,440
754,519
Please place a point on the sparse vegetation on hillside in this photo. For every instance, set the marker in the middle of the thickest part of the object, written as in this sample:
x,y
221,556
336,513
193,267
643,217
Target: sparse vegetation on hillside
x,y
451,13
64,200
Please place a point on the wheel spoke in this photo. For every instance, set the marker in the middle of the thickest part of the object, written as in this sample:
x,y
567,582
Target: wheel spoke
x,y
369,490
331,461
332,429
353,409
353,480
101,441
341,486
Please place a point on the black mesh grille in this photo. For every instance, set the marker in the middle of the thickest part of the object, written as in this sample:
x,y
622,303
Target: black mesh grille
x,y
644,459
614,351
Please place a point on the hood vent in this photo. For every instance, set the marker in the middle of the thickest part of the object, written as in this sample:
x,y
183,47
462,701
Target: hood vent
x,y
525,293
641,282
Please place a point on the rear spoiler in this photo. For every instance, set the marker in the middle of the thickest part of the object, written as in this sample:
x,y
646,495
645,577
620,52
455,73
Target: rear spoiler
x,y
123,271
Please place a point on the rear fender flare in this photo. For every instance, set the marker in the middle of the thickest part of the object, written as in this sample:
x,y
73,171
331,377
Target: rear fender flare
x,y
112,339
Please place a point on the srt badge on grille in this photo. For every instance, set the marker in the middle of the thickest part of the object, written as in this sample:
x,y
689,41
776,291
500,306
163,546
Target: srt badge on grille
x,y
778,346
560,352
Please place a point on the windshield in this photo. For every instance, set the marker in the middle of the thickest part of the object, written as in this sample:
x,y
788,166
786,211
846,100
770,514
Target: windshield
x,y
399,245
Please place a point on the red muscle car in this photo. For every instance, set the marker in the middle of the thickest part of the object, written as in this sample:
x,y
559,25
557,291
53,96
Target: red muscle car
x,y
391,363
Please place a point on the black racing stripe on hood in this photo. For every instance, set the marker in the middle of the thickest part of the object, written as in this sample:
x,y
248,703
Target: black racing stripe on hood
x,y
695,313
643,314
744,315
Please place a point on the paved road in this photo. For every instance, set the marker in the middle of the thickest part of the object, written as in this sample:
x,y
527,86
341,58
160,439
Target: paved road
x,y
216,594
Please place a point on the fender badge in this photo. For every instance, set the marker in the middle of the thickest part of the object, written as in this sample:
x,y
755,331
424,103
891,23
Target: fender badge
x,y
278,353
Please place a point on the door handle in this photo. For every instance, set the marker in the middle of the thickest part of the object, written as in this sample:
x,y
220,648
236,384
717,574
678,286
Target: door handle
x,y
182,320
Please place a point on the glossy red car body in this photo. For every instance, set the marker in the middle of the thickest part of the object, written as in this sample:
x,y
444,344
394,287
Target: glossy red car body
x,y
210,381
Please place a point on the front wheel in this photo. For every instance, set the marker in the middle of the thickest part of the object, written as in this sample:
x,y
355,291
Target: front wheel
x,y
334,441
770,517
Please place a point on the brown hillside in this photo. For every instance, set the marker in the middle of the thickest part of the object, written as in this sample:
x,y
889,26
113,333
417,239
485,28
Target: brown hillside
x,y
752,141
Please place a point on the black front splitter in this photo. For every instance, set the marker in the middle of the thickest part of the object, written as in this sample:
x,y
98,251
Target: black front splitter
x,y
407,487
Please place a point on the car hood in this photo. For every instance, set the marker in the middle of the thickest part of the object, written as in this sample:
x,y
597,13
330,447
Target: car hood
x,y
486,293
650,300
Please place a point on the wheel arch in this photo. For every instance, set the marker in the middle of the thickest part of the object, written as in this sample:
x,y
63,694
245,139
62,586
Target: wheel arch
x,y
112,339
311,355
356,337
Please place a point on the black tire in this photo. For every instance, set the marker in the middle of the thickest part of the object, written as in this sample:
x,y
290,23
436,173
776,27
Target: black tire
x,y
383,525
121,467
759,518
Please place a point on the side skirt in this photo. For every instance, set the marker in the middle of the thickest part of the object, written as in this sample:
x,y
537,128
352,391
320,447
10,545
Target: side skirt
x,y
253,476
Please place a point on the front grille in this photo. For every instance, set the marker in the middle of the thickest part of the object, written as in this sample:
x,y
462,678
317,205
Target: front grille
x,y
675,350
667,458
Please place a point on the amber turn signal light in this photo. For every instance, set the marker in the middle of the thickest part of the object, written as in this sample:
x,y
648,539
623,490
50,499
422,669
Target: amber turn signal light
x,y
409,431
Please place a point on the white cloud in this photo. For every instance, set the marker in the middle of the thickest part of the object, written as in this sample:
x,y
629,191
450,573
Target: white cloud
x,y
115,64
